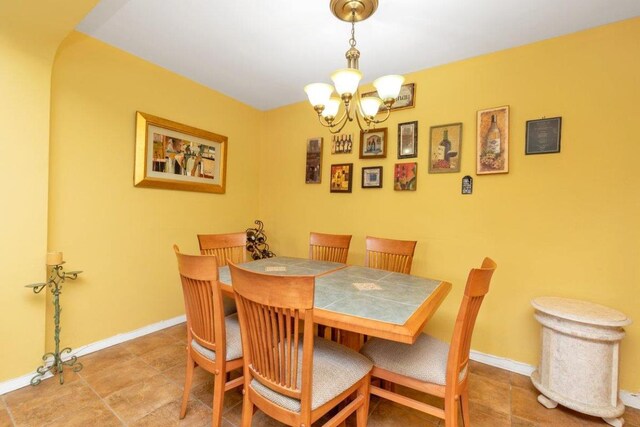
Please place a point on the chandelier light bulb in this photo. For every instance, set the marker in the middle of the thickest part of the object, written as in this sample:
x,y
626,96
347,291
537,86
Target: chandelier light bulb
x,y
346,80
318,93
331,107
388,87
370,106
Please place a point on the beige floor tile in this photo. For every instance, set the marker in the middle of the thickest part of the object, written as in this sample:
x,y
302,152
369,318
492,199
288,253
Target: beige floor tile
x,y
178,332
94,413
142,398
204,393
147,343
388,414
483,416
117,377
104,359
518,380
5,418
169,415
494,373
177,374
48,390
526,409
166,357
74,397
490,393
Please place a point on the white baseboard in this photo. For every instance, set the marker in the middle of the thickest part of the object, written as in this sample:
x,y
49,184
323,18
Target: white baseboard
x,y
25,380
629,399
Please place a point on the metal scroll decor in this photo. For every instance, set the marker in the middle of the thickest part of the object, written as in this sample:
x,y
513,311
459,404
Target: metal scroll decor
x,y
53,361
257,242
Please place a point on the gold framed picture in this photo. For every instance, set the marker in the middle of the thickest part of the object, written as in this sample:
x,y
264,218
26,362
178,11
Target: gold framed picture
x,y
174,156
444,148
492,141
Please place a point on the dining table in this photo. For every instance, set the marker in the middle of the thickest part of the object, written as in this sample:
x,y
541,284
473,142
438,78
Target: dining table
x,y
359,300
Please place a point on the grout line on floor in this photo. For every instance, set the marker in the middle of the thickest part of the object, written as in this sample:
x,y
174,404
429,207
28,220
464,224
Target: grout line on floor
x,y
104,402
4,402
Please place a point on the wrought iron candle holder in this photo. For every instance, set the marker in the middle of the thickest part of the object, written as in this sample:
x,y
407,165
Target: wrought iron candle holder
x,y
53,361
257,242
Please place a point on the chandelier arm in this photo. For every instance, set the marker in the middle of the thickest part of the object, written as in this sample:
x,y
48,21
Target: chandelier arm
x,y
385,117
364,129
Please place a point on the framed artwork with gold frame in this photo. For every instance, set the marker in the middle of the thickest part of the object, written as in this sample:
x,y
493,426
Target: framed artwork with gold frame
x,y
492,141
175,156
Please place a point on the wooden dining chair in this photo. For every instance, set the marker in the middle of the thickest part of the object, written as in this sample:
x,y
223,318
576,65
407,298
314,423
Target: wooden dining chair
x,y
329,247
294,378
213,340
430,365
230,246
389,254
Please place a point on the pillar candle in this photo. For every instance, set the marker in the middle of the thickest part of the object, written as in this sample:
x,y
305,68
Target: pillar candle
x,y
54,258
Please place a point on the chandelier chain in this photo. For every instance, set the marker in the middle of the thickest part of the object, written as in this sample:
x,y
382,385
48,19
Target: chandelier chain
x,y
352,41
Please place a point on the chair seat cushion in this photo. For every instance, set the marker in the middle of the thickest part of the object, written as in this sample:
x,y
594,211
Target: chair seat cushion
x,y
335,369
234,342
425,360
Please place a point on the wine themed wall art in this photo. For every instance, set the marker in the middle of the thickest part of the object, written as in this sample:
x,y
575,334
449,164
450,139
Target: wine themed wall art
x,y
342,144
444,148
543,136
492,155
407,140
373,144
372,177
313,172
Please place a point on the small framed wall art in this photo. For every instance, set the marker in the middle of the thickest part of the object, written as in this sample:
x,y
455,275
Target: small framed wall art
x,y
372,177
407,140
342,144
373,144
444,148
492,141
174,156
405,99
405,176
543,136
341,177
313,174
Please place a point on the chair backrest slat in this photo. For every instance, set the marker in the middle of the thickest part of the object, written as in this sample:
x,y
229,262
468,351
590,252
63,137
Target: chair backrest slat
x,y
389,254
477,287
202,300
270,309
230,246
329,247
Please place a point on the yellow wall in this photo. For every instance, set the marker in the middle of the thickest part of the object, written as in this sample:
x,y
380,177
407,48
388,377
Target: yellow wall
x,y
557,224
122,236
29,36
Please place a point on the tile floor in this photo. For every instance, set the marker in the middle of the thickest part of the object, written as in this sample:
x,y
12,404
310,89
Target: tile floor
x,y
139,383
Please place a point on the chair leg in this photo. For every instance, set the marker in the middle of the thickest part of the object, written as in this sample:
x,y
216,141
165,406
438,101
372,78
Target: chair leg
x,y
247,410
218,399
464,408
187,384
362,413
450,411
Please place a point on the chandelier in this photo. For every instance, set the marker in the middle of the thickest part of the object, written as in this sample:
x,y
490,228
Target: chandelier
x,y
346,80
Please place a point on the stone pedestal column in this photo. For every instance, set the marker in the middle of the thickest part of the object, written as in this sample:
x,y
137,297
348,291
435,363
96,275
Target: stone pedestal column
x,y
579,359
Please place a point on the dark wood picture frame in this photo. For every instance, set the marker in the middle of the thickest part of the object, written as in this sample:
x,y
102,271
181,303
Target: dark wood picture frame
x,y
373,144
405,99
408,140
371,177
543,136
341,178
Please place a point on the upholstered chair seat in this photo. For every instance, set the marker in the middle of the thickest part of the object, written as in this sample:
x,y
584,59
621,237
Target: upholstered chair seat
x,y
425,360
335,369
234,341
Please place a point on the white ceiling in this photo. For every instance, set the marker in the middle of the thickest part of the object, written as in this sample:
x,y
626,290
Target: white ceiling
x,y
262,52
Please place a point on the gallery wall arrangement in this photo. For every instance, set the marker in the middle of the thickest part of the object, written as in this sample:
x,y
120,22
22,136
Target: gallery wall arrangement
x,y
445,148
